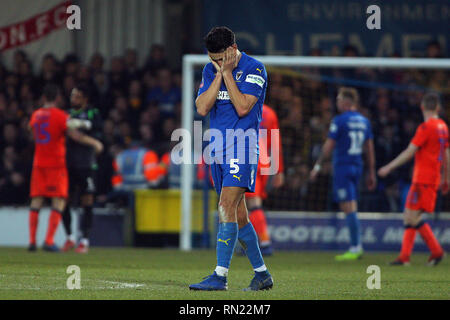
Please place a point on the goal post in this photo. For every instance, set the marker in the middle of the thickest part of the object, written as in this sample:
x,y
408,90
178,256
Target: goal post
x,y
192,61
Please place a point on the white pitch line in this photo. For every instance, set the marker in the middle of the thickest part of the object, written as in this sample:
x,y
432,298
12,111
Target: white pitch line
x,y
123,285
110,285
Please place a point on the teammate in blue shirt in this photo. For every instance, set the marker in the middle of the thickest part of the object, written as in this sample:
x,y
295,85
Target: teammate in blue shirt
x,y
232,92
349,137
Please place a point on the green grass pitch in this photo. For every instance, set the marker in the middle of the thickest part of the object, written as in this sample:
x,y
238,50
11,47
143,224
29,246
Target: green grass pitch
x,y
128,273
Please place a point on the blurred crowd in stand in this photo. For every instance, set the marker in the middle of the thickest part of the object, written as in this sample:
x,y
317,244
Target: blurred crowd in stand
x,y
140,104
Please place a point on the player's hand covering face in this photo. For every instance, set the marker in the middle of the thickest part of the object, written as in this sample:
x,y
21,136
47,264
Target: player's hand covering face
x,y
217,60
215,64
229,59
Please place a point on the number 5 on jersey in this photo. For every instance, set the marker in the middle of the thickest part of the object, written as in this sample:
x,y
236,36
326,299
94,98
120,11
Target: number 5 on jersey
x,y
233,165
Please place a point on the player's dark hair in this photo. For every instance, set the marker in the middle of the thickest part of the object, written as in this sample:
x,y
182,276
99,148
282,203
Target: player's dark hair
x,y
218,39
84,89
431,101
50,92
349,93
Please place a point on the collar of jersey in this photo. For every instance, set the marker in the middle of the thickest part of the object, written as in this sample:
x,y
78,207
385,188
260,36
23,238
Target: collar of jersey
x,y
77,112
243,55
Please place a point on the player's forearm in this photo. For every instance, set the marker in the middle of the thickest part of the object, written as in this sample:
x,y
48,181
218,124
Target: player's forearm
x,y
87,140
238,99
79,124
403,157
370,154
82,138
207,99
327,149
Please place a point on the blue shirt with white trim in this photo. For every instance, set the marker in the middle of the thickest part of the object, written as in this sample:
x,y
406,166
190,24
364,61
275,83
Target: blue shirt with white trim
x,y
251,78
350,130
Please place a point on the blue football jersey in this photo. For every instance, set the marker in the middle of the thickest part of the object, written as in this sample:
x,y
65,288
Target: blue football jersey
x,y
350,130
251,78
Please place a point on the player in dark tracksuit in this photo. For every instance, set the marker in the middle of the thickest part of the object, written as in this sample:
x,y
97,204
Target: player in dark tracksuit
x,y
82,167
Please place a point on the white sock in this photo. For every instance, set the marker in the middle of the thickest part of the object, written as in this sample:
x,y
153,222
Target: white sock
x,y
355,249
71,237
261,269
85,242
221,271
265,243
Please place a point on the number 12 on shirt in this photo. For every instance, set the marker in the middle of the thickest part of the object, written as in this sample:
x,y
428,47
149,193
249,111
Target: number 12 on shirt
x,y
356,142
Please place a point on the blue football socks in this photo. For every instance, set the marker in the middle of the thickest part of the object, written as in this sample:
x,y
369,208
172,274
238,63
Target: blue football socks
x,y
226,241
249,238
355,229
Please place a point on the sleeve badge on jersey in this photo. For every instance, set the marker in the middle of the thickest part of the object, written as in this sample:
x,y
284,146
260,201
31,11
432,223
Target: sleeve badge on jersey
x,y
333,127
239,75
253,78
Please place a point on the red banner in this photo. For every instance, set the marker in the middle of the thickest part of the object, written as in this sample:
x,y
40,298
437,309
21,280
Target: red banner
x,y
34,28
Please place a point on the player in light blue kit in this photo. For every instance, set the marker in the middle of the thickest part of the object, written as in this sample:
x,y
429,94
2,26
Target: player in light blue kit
x,y
350,136
232,92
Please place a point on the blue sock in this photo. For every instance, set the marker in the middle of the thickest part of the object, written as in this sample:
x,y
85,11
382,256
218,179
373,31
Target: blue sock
x,y
248,237
354,227
226,240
